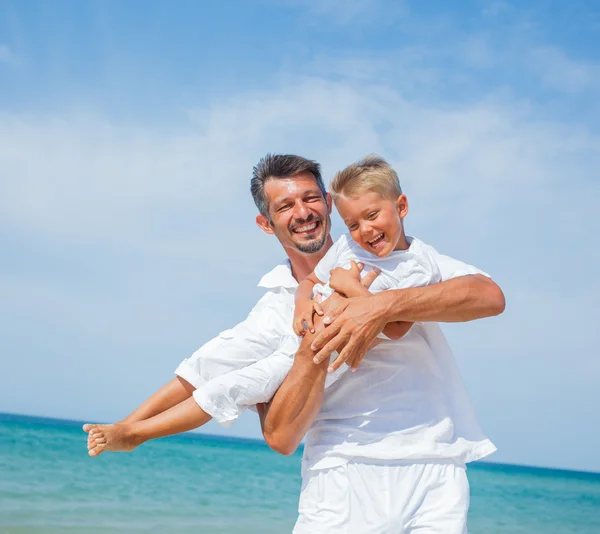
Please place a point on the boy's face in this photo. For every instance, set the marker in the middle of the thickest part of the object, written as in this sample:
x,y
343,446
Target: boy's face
x,y
374,222
300,216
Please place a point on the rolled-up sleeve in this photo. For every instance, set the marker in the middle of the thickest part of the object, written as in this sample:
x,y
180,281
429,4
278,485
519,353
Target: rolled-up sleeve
x,y
227,396
256,337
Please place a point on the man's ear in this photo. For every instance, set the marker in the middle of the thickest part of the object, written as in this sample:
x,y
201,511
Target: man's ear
x,y
402,204
264,224
329,201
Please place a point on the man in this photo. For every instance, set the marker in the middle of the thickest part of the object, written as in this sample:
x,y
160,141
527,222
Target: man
x,y
294,206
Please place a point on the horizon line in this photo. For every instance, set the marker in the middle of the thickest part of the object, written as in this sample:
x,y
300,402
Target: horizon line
x,y
195,434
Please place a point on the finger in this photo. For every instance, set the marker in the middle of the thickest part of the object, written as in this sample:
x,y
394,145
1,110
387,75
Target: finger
x,y
356,361
298,328
360,266
318,308
309,324
325,353
335,344
351,353
324,337
334,314
369,278
335,365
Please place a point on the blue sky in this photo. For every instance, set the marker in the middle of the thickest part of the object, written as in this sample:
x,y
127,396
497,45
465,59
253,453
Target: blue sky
x,y
128,132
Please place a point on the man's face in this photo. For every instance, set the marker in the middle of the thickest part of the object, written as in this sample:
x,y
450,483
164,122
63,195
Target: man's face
x,y
300,216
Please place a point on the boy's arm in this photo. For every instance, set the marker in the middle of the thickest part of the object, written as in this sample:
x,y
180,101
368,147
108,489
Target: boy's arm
x,y
305,306
305,288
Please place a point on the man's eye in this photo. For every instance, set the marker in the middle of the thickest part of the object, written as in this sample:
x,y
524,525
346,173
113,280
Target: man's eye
x,y
284,207
313,199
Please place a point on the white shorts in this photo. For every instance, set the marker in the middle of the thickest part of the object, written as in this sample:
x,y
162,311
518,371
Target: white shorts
x,y
384,498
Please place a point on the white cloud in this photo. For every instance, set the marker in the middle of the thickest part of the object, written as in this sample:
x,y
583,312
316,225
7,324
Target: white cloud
x,y
147,227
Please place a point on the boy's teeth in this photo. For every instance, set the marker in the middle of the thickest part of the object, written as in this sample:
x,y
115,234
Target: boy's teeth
x,y
376,240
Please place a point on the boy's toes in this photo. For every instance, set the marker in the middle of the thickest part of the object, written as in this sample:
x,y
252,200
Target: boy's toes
x,y
98,449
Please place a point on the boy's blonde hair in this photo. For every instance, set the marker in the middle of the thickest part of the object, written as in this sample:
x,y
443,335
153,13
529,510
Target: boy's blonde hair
x,y
371,173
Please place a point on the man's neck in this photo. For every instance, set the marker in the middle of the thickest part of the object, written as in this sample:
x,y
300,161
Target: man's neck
x,y
304,264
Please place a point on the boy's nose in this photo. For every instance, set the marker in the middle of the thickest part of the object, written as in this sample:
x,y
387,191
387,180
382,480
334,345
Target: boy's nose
x,y
365,229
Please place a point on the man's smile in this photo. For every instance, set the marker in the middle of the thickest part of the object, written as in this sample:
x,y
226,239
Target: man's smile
x,y
308,229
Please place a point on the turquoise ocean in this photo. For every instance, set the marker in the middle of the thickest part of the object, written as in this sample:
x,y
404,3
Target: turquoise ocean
x,y
215,485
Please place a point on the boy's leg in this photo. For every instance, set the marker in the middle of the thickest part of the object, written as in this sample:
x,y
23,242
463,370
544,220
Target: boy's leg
x,y
124,437
172,393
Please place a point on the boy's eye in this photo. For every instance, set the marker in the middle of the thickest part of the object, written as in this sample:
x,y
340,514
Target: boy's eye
x,y
372,215
352,227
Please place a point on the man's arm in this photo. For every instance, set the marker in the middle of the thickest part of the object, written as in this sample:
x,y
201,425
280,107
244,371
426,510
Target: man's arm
x,y
291,412
355,323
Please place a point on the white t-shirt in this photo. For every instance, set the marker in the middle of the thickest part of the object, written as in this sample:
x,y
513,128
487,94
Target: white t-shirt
x,y
413,267
406,401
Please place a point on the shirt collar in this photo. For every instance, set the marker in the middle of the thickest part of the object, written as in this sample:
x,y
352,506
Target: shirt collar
x,y
280,276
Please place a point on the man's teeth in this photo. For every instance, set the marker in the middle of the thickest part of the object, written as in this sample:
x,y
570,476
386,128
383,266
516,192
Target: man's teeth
x,y
306,228
373,242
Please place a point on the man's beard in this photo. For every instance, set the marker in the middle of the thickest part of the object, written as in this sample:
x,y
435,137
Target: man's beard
x,y
315,244
312,246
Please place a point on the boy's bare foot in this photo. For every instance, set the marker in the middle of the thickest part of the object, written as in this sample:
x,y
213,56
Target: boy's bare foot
x,y
115,438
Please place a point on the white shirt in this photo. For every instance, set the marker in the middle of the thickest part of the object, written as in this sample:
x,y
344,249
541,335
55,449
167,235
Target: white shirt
x,y
405,402
412,267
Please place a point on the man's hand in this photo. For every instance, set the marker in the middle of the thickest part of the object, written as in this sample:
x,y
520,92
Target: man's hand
x,y
353,326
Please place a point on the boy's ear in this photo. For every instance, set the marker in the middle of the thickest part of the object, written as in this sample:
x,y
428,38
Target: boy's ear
x,y
264,224
402,204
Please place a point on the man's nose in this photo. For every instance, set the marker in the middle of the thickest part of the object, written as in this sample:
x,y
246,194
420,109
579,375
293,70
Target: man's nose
x,y
301,211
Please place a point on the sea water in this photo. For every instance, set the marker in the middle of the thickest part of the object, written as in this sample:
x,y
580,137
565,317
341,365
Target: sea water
x,y
214,485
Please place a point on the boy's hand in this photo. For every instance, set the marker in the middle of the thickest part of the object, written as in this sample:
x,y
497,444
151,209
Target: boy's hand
x,y
343,280
303,316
